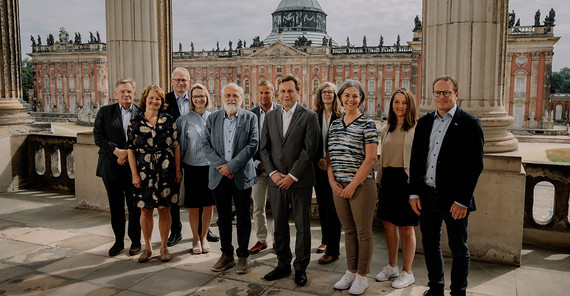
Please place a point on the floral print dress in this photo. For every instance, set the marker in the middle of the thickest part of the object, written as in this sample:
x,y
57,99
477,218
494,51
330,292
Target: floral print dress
x,y
154,151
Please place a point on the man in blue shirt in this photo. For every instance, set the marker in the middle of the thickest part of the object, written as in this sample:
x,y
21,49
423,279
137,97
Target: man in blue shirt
x,y
446,161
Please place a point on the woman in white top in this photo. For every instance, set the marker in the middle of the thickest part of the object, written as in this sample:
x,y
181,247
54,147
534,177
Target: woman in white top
x,y
393,181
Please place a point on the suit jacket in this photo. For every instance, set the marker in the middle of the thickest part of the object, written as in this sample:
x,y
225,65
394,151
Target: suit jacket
x,y
172,107
109,134
246,141
293,152
257,111
459,163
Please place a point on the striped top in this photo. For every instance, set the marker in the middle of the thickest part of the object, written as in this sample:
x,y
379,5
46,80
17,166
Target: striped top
x,y
191,130
346,146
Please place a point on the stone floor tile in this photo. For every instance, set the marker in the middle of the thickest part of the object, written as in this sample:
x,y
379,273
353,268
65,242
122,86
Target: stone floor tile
x,y
32,283
172,282
82,288
84,242
130,293
319,282
14,231
532,281
255,273
8,271
78,266
123,273
39,257
45,236
223,286
201,263
10,248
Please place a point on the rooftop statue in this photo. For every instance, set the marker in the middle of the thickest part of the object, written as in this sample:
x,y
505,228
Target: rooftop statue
x,y
63,35
417,24
537,18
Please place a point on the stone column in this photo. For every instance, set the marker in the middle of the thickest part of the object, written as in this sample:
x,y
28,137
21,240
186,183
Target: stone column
x,y
467,40
534,87
507,92
11,109
139,43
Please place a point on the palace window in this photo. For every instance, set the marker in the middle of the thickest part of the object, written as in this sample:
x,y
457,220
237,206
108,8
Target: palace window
x,y
388,87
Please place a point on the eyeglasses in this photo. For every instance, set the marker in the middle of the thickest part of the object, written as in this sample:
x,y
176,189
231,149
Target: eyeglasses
x,y
445,93
180,80
328,92
199,97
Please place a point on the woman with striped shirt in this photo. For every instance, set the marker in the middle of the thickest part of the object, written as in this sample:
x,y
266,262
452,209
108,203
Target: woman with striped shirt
x,y
353,143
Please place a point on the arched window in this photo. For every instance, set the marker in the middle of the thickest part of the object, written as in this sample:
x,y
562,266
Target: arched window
x,y
246,86
315,85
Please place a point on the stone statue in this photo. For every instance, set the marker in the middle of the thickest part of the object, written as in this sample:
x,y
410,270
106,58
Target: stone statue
x,y
537,18
398,41
545,116
330,42
50,39
381,41
217,46
364,41
551,116
91,38
230,43
98,37
325,40
512,17
347,41
532,115
180,46
244,45
39,40
256,42
303,41
192,46
552,14
63,35
417,24
239,44
518,23
33,40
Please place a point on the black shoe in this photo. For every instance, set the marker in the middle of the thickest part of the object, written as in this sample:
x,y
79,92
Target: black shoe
x,y
174,239
432,293
300,278
277,273
211,237
135,249
116,249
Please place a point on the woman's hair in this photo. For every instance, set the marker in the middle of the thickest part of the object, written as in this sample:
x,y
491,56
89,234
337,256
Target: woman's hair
x,y
203,88
410,118
158,91
352,83
318,100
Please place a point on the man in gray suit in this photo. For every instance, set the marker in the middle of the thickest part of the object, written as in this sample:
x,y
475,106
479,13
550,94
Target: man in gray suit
x,y
288,145
230,141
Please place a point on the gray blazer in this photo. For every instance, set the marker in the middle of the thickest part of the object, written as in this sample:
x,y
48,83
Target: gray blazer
x,y
246,140
293,152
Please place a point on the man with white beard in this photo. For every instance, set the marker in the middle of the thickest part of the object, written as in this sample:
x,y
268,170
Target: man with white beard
x,y
230,140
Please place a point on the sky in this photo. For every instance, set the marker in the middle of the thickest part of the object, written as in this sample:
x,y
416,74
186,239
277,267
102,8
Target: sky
x,y
206,22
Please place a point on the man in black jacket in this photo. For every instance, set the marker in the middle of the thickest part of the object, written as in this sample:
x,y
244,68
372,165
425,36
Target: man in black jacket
x,y
110,132
446,161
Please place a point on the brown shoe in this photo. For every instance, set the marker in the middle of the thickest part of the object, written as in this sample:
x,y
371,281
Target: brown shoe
x,y
321,249
258,247
145,256
224,263
241,266
165,255
326,259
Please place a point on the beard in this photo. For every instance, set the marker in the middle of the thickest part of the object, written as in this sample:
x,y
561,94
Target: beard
x,y
232,107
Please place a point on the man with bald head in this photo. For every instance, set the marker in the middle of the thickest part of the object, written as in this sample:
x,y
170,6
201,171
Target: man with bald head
x,y
230,140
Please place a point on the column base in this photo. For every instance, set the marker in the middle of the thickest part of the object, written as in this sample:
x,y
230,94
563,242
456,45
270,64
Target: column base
x,y
13,112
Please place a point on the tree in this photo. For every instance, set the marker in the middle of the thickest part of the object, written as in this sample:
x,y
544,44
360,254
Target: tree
x,y
27,78
560,81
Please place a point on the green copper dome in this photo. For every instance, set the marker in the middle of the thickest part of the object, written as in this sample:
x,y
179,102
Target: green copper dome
x,y
288,5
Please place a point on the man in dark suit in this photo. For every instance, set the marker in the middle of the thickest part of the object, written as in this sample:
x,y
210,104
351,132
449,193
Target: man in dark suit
x,y
110,132
446,161
288,146
178,102
230,140
265,96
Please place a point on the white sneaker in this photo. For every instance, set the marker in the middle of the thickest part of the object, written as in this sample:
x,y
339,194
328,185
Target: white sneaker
x,y
404,279
345,281
387,272
359,284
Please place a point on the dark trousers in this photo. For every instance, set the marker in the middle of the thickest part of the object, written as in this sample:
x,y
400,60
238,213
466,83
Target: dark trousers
x,y
300,200
431,219
176,226
118,192
223,196
330,224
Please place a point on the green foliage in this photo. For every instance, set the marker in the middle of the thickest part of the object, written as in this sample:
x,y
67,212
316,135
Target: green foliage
x,y
27,78
560,81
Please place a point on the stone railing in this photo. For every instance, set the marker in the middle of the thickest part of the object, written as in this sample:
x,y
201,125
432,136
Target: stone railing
x,y
371,50
51,162
553,229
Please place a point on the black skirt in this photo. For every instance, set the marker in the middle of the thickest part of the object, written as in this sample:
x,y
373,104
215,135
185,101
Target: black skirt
x,y
196,191
394,196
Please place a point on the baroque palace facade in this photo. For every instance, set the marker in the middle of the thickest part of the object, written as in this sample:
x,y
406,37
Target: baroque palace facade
x,y
74,74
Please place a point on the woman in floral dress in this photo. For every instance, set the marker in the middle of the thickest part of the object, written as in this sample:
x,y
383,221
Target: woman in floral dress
x,y
154,158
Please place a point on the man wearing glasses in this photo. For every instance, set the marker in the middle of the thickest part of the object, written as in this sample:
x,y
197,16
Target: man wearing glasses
x,y
178,102
446,161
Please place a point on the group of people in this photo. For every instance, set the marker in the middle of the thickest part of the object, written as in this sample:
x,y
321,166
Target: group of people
x,y
280,152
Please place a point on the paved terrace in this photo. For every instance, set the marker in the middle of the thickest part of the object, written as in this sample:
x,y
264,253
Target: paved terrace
x,y
48,247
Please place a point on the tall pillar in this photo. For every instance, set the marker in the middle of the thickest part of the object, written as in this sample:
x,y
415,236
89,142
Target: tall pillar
x,y
467,40
139,42
11,109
